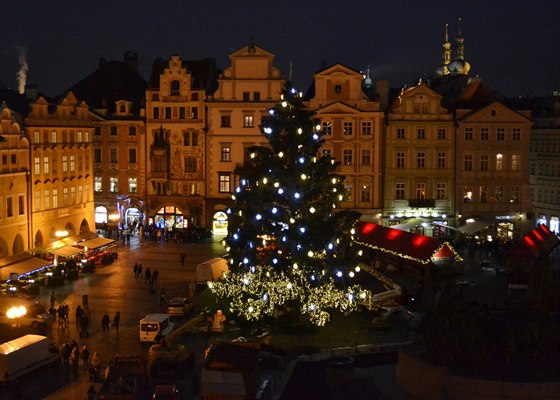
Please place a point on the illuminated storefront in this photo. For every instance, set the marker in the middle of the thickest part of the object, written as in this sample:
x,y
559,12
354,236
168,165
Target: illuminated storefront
x,y
170,217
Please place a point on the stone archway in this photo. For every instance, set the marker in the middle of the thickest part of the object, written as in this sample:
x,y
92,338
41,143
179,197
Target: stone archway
x,y
18,245
39,242
3,248
84,226
69,227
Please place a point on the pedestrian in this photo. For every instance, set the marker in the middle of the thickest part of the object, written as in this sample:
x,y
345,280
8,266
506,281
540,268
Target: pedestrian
x,y
75,356
85,356
135,270
139,269
117,321
65,353
66,314
155,276
52,299
94,371
79,313
91,393
147,275
105,322
84,324
183,256
162,300
60,315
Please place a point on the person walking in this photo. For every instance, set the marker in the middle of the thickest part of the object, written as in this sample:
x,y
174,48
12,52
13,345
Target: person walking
x,y
79,314
94,371
155,276
117,321
183,256
85,357
147,275
91,393
84,324
105,322
75,356
162,299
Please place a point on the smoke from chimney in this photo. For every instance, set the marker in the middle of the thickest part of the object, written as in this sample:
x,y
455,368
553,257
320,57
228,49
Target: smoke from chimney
x,y
24,68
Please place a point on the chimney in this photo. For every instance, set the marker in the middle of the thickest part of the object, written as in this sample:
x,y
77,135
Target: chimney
x,y
382,90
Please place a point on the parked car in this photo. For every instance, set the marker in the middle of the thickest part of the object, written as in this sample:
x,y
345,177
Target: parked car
x,y
180,307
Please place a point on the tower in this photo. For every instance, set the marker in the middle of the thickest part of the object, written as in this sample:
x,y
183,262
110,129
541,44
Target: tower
x,y
459,66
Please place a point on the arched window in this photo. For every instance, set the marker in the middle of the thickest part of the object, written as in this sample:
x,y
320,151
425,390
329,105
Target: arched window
x,y
175,88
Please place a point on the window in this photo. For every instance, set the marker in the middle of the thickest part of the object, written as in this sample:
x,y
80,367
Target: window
x,y
159,164
37,201
97,186
347,128
256,96
226,121
113,184
365,193
132,156
347,157
246,96
186,139
131,131
155,113
80,194
47,198
64,163
53,137
327,128
72,195
327,152
55,198
114,155
400,133
194,112
21,204
132,185
515,162
175,88
87,192
421,133
97,156
113,130
469,133
247,121
441,159
72,163
441,133
122,108
468,162
516,134
421,160
420,191
499,193
13,158
399,191
483,192
484,133
400,159
514,194
484,162
37,169
182,113
79,136
97,131
500,134
366,128
36,137
190,164
467,195
194,139
366,157
167,112
86,136
9,206
499,162
224,184
349,190
441,190
225,154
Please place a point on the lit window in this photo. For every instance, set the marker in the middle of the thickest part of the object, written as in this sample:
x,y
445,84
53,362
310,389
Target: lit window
x,y
132,185
37,166
97,186
64,163
225,154
420,191
515,162
499,162
327,128
248,121
72,163
55,198
224,182
365,193
113,184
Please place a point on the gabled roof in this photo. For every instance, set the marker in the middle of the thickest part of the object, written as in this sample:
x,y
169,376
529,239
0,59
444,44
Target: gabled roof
x,y
111,81
409,246
338,108
484,112
204,73
538,243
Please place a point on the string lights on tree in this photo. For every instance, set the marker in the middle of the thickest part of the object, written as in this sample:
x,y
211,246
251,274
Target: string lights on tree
x,y
290,248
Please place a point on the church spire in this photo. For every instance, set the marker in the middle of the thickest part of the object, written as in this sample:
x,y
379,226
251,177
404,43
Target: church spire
x,y
443,69
459,66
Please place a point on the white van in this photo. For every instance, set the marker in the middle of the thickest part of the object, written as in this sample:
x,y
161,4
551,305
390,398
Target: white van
x,y
152,324
211,270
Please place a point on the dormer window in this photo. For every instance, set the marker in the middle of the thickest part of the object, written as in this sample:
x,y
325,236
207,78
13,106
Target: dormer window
x,y
338,89
122,108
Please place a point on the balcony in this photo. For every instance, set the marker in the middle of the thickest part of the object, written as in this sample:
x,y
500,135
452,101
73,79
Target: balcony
x,y
422,203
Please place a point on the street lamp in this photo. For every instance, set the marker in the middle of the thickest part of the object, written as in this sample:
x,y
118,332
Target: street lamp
x,y
15,312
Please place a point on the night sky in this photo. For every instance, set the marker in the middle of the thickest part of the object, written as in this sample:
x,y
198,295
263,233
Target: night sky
x,y
513,45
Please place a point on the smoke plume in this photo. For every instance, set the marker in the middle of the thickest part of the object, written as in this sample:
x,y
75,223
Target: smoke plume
x,y
21,75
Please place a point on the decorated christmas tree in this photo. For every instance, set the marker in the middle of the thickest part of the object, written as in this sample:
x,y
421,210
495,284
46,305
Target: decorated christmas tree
x,y
290,248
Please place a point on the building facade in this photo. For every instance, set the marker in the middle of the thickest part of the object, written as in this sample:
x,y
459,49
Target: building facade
x,y
14,188
61,169
246,90
419,162
545,163
352,121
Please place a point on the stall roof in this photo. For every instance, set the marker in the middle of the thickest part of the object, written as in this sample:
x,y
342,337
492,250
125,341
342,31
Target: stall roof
x,y
411,246
540,242
72,240
409,224
95,243
24,266
473,227
66,251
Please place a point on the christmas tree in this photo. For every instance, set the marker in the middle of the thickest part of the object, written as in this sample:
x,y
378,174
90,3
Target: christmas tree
x,y
290,248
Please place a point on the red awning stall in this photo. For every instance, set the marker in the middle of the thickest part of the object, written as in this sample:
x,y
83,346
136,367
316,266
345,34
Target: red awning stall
x,y
538,243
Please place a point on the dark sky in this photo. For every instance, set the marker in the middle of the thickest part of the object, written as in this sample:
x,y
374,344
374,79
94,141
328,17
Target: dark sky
x,y
513,45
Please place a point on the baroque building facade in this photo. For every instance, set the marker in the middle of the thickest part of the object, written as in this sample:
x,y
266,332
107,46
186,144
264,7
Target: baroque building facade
x,y
246,90
349,108
61,178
